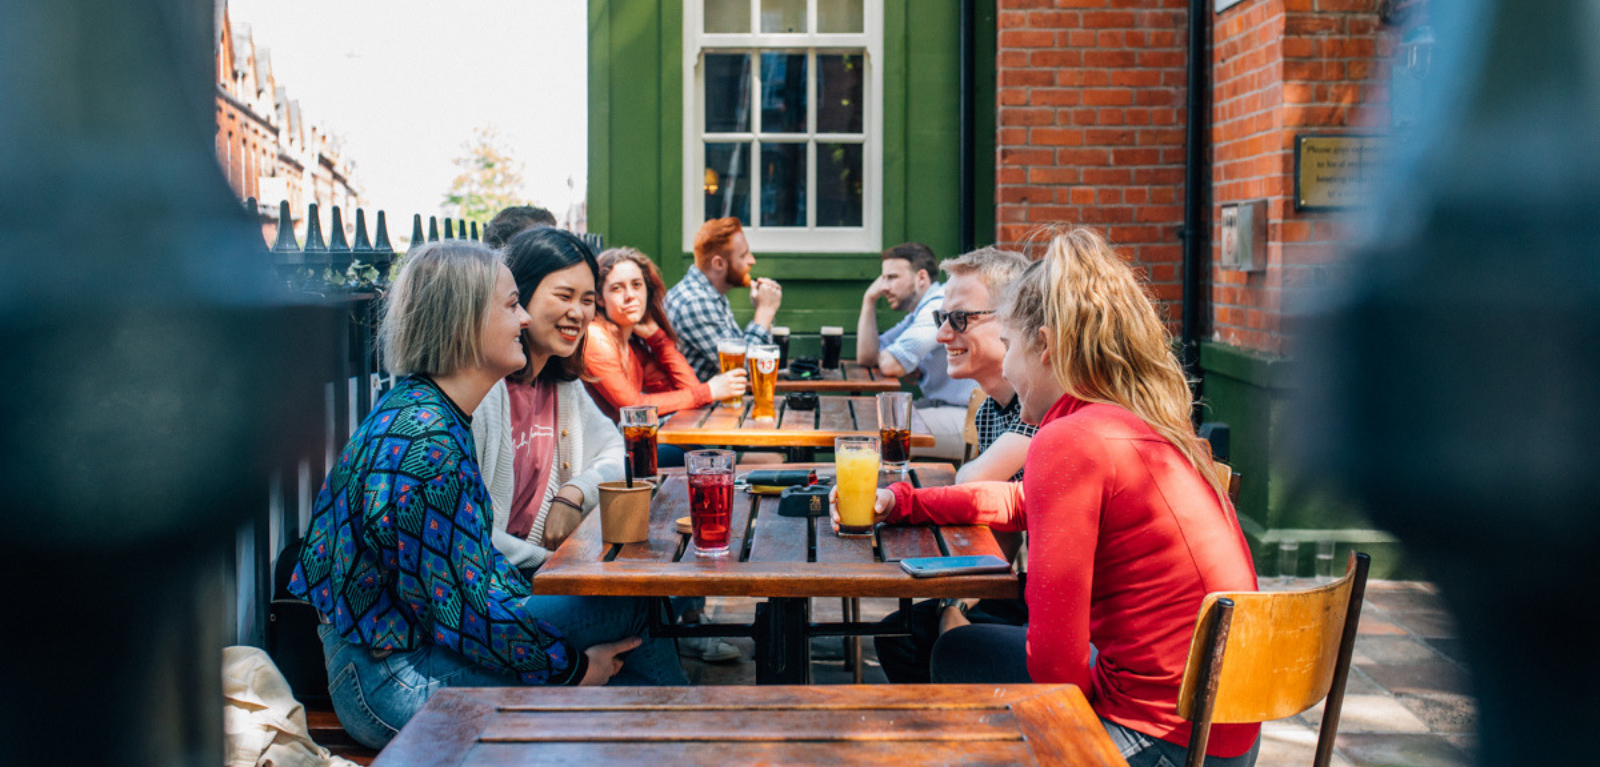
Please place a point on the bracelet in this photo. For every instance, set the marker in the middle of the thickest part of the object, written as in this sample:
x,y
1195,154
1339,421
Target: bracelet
x,y
959,604
567,503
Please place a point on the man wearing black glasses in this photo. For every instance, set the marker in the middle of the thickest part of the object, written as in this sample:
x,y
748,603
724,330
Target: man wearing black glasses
x,y
911,348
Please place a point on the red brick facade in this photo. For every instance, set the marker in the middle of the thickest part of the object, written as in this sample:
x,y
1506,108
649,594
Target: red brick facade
x,y
1091,131
1090,125
264,145
1283,68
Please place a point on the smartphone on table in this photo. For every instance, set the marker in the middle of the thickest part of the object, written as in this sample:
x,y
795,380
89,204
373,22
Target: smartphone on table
x,y
934,567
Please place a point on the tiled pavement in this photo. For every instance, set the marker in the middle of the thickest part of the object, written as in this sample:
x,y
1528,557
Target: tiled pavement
x,y
1406,704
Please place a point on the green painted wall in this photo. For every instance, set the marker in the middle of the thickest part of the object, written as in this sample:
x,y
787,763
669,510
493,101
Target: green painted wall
x,y
636,156
1252,393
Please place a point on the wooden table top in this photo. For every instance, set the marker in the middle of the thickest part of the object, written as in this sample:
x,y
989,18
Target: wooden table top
x,y
771,555
718,424
1050,725
850,378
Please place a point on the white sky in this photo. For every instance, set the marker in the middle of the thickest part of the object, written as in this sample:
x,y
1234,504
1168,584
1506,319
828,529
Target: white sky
x,y
406,81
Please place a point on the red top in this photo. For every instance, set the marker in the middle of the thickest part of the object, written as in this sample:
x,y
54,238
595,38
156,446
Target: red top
x,y
655,372
533,437
1125,539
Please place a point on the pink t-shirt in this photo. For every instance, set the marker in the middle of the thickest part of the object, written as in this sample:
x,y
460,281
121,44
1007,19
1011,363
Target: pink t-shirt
x,y
533,435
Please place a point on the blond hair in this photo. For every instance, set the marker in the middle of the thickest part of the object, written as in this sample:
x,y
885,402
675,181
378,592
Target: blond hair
x,y
434,313
1110,343
996,267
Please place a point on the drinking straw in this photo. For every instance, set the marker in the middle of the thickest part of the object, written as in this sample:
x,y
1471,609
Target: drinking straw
x,y
627,469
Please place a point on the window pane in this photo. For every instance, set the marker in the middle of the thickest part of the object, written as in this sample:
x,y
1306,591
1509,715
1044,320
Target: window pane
x,y
839,16
783,184
839,92
727,181
727,92
783,93
727,16
839,185
783,16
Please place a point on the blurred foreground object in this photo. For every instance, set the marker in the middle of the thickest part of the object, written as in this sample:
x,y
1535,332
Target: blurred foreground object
x,y
1454,381
152,375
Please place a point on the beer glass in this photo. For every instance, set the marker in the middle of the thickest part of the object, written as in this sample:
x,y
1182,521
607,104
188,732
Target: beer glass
x,y
639,427
730,352
780,336
710,500
894,428
832,343
763,381
855,461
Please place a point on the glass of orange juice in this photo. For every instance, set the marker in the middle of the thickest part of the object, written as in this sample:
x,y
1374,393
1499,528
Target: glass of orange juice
x,y
855,460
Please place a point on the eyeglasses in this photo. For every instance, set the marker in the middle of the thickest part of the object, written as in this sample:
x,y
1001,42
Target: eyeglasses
x,y
958,320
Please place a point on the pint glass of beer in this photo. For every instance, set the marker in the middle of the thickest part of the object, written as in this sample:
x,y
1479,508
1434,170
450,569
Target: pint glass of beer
x,y
639,427
832,342
780,336
730,352
894,428
763,381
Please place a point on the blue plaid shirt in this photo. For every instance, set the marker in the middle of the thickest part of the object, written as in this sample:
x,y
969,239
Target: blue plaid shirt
x,y
702,317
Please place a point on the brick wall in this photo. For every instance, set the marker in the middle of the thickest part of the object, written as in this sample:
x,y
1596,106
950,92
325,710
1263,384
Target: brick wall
x,y
1282,68
1090,126
1091,131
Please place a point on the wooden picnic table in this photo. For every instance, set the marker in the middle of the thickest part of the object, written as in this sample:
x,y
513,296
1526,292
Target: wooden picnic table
x,y
786,560
1050,725
850,378
718,424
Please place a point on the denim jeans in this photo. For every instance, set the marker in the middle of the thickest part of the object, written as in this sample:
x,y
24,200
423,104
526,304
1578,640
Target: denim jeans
x,y
1141,750
374,697
982,653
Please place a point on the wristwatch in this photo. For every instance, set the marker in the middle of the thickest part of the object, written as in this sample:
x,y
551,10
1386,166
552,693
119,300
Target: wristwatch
x,y
948,602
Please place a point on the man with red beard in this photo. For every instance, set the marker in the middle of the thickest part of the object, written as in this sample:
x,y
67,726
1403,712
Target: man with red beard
x,y
698,305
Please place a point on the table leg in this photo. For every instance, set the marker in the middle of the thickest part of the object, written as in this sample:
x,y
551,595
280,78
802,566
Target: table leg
x,y
783,641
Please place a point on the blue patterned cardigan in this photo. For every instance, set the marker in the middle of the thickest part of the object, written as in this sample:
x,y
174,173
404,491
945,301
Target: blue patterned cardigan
x,y
399,550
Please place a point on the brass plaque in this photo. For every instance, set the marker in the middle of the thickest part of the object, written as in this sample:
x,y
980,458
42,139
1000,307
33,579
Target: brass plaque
x,y
1334,171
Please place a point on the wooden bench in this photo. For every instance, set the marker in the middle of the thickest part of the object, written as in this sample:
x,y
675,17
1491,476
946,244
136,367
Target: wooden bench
x,y
328,733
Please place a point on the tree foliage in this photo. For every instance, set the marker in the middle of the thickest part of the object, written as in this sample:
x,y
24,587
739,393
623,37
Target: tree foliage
x,y
489,178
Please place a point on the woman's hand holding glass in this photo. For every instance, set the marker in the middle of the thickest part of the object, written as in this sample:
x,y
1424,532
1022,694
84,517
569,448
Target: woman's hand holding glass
x,y
882,506
729,384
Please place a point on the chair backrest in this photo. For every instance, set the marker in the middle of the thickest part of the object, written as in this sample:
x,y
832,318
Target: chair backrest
x,y
969,433
1259,656
1229,479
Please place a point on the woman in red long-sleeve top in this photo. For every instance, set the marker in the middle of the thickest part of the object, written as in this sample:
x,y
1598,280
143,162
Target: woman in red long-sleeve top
x,y
633,356
1128,525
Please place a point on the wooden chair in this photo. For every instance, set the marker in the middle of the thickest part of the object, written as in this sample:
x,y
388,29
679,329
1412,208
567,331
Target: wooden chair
x,y
969,433
1229,479
1259,656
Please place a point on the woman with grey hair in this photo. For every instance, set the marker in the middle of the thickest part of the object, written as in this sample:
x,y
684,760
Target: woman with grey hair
x,y
399,558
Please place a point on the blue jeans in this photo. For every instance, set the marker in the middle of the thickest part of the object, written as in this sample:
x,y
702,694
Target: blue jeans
x,y
375,697
998,654
1141,750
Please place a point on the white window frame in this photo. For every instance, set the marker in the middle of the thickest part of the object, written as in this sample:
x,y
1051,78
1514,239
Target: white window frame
x,y
807,239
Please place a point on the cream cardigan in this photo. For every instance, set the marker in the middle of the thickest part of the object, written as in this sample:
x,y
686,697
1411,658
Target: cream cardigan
x,y
589,450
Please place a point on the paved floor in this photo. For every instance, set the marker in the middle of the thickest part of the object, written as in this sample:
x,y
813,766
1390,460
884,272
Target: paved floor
x,y
1406,704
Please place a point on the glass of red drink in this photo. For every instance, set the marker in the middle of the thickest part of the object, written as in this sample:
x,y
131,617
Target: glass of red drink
x,y
710,500
639,428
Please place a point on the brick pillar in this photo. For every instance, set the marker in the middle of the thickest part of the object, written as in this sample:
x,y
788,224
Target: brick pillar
x,y
1282,68
1091,126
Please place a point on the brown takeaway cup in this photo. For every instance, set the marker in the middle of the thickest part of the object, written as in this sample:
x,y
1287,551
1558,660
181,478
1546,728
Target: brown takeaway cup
x,y
625,512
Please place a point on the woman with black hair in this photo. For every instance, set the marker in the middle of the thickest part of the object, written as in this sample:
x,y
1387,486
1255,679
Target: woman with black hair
x,y
543,444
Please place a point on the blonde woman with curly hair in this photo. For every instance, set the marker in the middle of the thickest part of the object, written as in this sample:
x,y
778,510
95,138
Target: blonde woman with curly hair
x,y
1128,525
